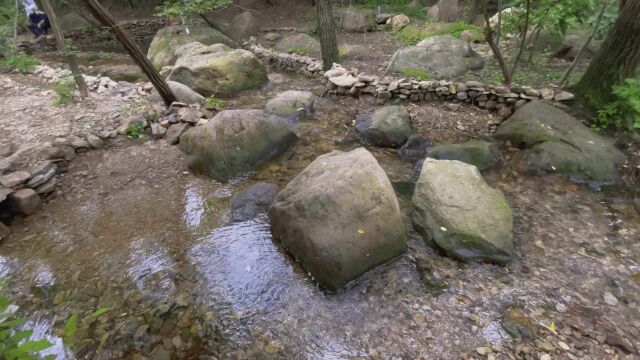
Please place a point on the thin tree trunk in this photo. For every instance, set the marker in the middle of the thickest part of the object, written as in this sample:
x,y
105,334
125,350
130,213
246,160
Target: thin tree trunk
x,y
586,44
494,47
617,59
523,42
499,29
15,28
536,34
327,33
102,15
71,60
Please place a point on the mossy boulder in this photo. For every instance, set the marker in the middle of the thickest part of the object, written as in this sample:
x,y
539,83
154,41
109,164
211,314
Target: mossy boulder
x,y
388,126
217,69
480,154
301,44
438,56
235,142
458,212
339,217
162,51
558,142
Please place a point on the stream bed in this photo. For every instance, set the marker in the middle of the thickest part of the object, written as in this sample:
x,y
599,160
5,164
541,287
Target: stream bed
x,y
132,230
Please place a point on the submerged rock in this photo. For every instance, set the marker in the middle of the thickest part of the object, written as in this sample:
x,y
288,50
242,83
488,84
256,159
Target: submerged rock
x,y
387,126
481,154
217,69
291,104
182,92
358,20
339,217
438,56
558,142
414,149
456,210
162,51
235,141
249,202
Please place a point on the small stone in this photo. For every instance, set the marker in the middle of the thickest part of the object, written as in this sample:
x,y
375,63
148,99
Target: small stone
x,y
77,143
172,135
47,187
24,201
484,350
344,80
157,131
419,318
159,353
547,94
4,192
545,357
94,141
610,299
563,96
14,179
564,346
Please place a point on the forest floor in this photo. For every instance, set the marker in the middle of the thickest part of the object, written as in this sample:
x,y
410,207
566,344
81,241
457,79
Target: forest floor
x,y
132,229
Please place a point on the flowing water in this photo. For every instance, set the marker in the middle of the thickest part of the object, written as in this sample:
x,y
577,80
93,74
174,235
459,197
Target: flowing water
x,y
154,243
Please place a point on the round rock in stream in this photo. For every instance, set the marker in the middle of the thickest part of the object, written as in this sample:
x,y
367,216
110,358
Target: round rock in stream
x,y
455,209
387,126
247,203
339,217
235,141
291,104
481,154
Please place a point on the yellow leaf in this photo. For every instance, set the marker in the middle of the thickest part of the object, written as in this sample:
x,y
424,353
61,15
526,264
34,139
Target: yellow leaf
x,y
360,231
443,228
552,327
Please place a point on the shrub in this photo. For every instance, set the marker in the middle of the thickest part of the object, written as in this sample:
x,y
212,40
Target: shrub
x,y
456,30
411,35
417,74
19,62
300,50
14,341
624,111
134,131
213,102
64,91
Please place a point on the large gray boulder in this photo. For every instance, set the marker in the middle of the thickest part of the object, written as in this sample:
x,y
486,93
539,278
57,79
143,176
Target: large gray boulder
x,y
183,93
457,211
358,20
217,69
291,104
478,153
446,10
235,142
439,56
339,217
558,142
244,25
301,44
387,126
162,51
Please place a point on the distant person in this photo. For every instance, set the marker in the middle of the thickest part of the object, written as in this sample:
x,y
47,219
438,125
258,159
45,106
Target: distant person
x,y
38,20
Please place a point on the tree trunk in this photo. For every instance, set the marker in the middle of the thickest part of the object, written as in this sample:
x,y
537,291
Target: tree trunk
x,y
60,44
327,33
102,15
15,28
617,60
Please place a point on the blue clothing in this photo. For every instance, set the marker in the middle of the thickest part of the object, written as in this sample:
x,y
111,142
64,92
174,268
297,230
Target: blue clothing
x,y
37,18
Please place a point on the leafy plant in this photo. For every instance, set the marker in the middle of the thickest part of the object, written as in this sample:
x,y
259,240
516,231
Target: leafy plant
x,y
624,112
76,329
213,102
19,62
134,131
14,341
64,90
456,29
310,30
417,74
410,35
183,9
300,50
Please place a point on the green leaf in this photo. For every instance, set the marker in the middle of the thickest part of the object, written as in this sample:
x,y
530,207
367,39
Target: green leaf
x,y
70,329
13,323
100,311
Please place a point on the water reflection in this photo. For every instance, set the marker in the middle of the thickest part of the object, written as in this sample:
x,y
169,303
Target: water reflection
x,y
42,329
194,207
241,265
151,268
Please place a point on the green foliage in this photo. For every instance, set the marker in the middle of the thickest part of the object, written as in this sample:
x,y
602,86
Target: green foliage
x,y
64,90
182,9
417,74
456,30
212,102
134,131
14,341
410,35
300,50
76,329
310,30
19,62
624,111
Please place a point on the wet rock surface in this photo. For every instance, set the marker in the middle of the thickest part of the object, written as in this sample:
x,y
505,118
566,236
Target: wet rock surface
x,y
478,153
249,202
387,126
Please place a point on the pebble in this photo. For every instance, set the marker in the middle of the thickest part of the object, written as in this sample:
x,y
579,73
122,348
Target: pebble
x,y
545,357
610,299
564,346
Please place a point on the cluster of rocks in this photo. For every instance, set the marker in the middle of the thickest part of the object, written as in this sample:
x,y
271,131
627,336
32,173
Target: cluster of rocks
x,y
503,99
289,62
